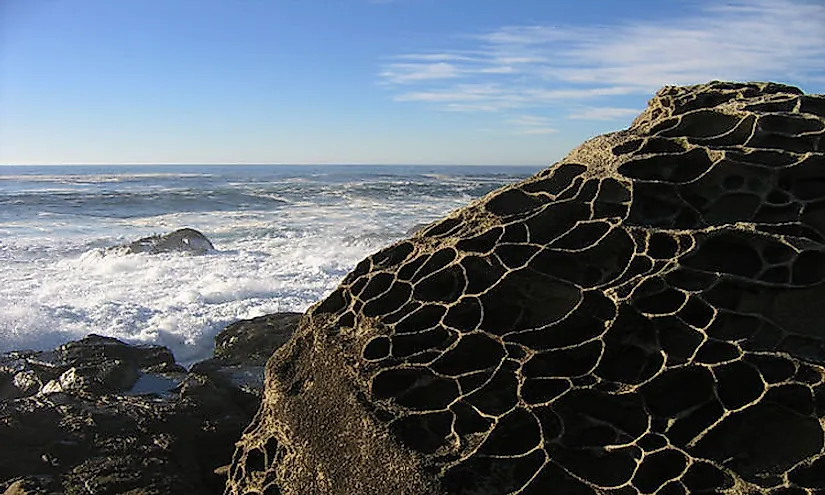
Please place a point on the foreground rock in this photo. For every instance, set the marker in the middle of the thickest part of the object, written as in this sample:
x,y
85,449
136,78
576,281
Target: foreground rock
x,y
642,317
185,240
100,416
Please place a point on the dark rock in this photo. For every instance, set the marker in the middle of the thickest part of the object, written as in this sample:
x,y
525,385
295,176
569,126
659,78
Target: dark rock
x,y
641,317
101,416
185,240
253,341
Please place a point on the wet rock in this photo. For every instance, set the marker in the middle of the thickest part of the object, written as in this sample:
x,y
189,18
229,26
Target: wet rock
x,y
101,416
184,240
252,341
641,317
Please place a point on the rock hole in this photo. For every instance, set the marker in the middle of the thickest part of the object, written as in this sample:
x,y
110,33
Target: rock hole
x,y
437,261
665,302
271,449
515,255
468,421
568,362
660,145
376,285
677,390
582,236
255,461
810,475
784,439
514,434
377,348
791,125
703,476
423,318
696,312
446,286
662,246
561,177
407,344
473,352
443,228
813,104
483,273
733,182
409,269
627,147
678,168
713,351
809,268
498,396
511,202
778,198
464,315
690,425
420,391
611,191
392,256
738,384
678,340
424,433
726,253
659,468
703,124
793,396
398,294
481,243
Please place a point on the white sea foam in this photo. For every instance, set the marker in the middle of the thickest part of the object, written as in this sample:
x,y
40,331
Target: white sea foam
x,y
58,282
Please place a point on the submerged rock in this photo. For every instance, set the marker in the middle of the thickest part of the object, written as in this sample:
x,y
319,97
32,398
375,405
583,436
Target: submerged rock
x,y
641,317
101,416
179,241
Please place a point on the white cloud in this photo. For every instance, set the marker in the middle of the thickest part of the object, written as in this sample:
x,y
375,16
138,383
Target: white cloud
x,y
531,124
583,69
407,73
604,113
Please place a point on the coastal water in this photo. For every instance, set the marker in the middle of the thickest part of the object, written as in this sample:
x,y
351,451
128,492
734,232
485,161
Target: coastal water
x,y
284,237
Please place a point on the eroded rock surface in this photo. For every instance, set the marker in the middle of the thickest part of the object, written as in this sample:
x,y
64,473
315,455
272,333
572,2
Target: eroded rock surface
x,y
104,417
644,316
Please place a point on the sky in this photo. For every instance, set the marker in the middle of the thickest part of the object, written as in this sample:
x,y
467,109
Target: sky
x,y
517,82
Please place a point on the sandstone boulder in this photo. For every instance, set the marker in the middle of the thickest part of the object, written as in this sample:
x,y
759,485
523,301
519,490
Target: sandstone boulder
x,y
644,316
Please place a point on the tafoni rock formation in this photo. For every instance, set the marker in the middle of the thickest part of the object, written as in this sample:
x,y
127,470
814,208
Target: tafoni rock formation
x,y
645,316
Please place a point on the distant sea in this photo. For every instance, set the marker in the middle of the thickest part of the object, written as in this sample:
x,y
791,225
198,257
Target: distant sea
x,y
285,236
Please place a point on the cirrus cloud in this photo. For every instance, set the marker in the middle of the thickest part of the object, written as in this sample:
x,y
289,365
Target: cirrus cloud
x,y
582,72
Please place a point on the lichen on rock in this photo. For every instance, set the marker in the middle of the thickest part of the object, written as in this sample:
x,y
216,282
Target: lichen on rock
x,y
641,317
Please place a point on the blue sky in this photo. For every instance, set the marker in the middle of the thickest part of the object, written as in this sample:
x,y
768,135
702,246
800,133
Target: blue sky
x,y
368,81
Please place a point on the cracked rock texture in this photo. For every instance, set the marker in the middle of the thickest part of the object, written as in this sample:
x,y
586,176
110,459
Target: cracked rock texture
x,y
644,316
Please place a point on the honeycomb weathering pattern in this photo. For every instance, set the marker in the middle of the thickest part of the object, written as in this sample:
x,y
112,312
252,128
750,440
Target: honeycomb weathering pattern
x,y
643,317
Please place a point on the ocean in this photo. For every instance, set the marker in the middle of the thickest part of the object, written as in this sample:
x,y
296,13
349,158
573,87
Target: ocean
x,y
284,237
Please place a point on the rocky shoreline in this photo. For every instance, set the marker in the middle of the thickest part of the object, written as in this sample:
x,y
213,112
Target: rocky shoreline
x,y
98,415
642,317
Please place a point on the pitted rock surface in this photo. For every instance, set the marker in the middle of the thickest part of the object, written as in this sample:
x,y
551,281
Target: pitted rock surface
x,y
645,316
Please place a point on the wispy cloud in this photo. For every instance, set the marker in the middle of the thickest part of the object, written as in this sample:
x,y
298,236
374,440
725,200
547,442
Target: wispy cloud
x,y
602,113
531,124
580,70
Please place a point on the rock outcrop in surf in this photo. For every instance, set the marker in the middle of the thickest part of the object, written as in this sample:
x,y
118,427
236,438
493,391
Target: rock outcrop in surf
x,y
101,416
642,317
184,240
